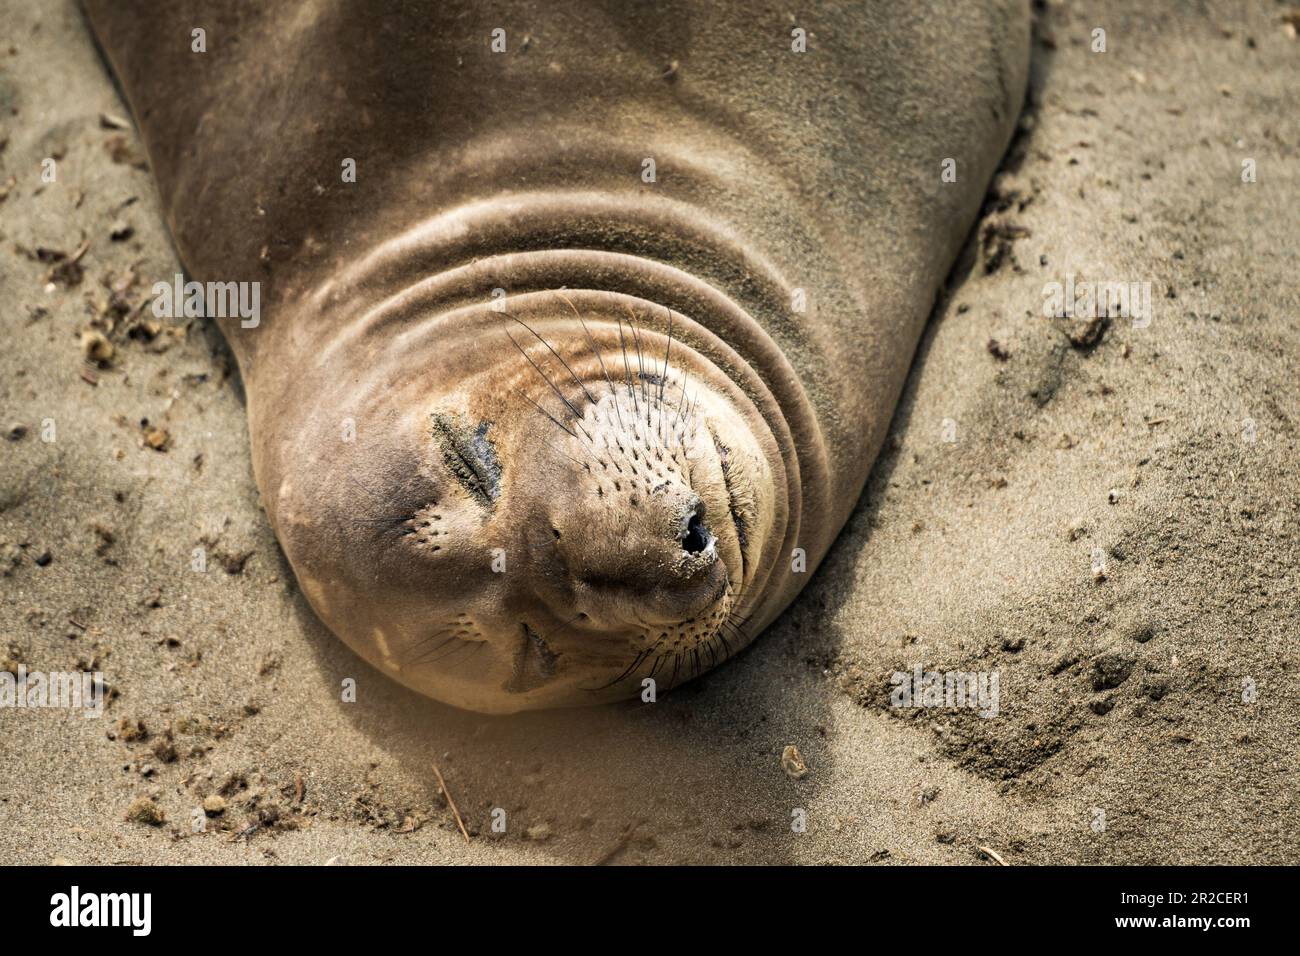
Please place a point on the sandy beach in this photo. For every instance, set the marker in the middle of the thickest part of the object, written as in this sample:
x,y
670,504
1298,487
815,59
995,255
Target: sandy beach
x,y
1105,514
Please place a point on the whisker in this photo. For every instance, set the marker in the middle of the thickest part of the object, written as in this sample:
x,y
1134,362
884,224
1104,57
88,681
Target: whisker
x,y
463,644
555,388
527,398
627,371
421,653
599,355
558,356
580,464
395,520
686,380
558,627
691,414
470,656
357,481
640,366
737,628
631,668
663,379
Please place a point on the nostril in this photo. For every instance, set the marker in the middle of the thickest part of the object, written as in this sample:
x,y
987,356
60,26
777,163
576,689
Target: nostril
x,y
697,537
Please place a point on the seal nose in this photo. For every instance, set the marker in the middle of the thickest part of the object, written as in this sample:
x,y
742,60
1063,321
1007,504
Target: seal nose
x,y
630,497
697,537
654,562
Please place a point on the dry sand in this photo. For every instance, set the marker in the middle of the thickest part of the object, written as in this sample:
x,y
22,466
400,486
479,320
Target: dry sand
x,y
975,554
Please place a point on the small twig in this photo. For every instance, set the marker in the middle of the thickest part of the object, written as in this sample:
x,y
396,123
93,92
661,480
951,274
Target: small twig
x,y
450,802
245,833
619,846
993,855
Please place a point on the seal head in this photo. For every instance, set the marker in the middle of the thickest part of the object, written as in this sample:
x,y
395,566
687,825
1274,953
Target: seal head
x,y
593,505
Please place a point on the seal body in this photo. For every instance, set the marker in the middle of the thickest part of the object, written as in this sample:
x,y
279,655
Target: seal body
x,y
582,322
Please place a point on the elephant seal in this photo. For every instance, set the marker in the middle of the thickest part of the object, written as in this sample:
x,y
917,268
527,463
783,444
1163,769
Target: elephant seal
x,y
583,321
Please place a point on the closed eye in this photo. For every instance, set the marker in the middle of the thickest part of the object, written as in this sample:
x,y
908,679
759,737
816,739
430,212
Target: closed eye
x,y
469,456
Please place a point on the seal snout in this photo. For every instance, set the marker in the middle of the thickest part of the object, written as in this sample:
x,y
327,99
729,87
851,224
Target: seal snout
x,y
636,561
626,514
636,494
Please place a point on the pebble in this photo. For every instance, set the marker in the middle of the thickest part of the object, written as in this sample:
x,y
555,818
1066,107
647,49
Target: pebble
x,y
792,763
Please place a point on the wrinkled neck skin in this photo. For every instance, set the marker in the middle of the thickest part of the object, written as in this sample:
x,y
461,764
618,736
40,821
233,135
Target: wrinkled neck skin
x,y
521,478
